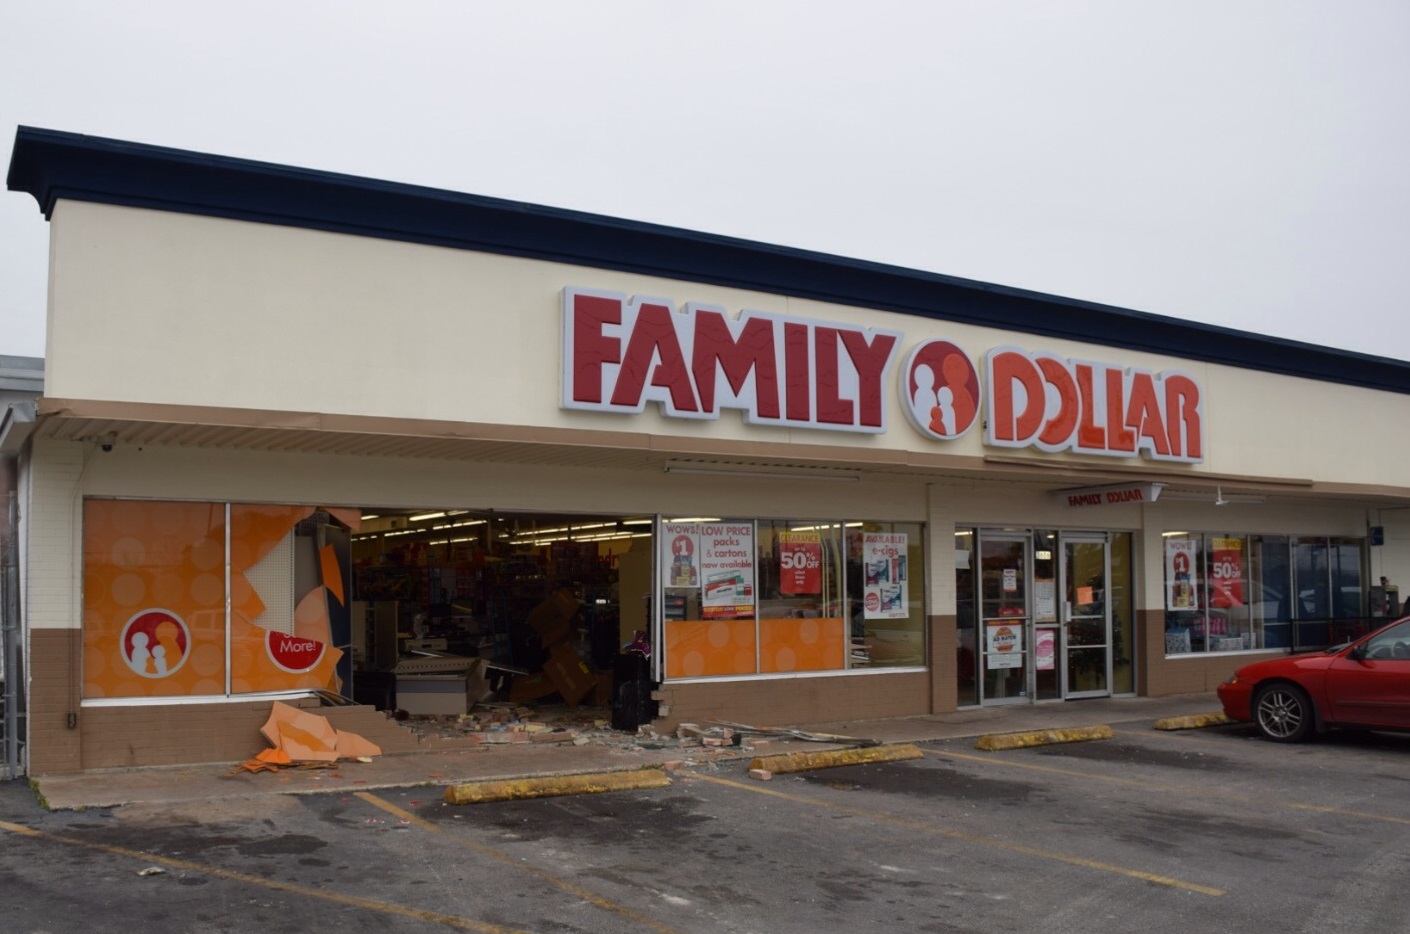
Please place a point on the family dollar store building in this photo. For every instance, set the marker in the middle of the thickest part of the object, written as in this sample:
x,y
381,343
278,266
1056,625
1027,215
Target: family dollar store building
x,y
304,435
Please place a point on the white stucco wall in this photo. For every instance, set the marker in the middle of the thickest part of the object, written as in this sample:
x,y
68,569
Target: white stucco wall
x,y
52,592
160,307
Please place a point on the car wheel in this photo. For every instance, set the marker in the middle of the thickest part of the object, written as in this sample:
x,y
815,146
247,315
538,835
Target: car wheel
x,y
1283,713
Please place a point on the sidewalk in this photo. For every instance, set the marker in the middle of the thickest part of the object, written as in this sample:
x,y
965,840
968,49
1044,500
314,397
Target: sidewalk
x,y
117,787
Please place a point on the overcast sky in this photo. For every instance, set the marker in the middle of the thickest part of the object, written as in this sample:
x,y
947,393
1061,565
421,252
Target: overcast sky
x,y
1240,163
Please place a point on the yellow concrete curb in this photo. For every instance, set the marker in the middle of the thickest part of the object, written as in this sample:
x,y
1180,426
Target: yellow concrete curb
x,y
863,755
994,741
513,789
1193,721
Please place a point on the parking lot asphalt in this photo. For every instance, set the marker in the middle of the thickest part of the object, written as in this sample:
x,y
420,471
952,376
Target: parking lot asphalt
x,y
1168,831
509,762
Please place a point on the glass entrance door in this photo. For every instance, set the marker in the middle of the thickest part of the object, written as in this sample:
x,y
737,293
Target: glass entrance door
x,y
1086,615
1004,617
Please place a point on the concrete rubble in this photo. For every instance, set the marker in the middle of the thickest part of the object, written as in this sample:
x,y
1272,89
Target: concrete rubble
x,y
494,723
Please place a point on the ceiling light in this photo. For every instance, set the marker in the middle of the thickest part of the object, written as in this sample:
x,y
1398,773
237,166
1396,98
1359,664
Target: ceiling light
x,y
1218,497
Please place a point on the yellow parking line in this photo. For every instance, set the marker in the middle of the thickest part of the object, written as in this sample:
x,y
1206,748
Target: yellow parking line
x,y
1321,809
1162,786
969,837
386,908
570,887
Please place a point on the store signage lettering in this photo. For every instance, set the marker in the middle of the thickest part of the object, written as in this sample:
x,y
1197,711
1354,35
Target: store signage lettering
x,y
886,588
1005,645
619,354
800,563
1179,568
727,570
1226,572
1041,400
1110,495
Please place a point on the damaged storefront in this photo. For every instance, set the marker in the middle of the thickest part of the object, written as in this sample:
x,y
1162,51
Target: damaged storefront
x,y
433,465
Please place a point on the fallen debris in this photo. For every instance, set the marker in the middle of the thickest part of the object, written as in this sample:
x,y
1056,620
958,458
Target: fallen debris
x,y
804,735
497,723
302,739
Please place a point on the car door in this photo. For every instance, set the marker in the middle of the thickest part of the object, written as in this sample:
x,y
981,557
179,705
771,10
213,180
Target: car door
x,y
1371,684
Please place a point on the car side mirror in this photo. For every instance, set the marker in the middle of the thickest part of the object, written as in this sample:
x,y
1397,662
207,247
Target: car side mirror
x,y
1358,653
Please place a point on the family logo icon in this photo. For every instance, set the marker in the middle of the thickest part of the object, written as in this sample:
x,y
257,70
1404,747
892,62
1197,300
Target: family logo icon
x,y
155,643
941,390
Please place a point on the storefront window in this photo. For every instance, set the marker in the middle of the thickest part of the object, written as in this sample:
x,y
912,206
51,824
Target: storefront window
x,y
155,622
1345,566
1329,590
888,612
1270,573
744,597
1314,593
1232,592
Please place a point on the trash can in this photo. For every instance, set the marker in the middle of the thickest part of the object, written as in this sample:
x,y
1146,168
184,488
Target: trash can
x,y
632,705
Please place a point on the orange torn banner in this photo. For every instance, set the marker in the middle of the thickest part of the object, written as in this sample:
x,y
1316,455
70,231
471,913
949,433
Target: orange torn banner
x,y
298,736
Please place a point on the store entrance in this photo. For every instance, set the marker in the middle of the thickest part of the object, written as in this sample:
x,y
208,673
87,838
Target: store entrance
x,y
1086,615
1045,615
1006,624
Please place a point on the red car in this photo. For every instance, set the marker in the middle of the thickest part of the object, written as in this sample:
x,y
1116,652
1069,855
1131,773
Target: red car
x,y
1364,684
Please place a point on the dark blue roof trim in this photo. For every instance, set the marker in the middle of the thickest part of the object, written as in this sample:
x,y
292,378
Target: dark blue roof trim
x,y
51,165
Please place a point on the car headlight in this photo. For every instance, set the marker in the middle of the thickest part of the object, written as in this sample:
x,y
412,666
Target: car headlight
x,y
1232,679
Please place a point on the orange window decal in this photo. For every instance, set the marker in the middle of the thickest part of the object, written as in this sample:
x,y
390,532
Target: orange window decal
x,y
154,621
802,645
698,648
153,599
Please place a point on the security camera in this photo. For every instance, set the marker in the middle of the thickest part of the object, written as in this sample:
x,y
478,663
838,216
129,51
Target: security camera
x,y
108,440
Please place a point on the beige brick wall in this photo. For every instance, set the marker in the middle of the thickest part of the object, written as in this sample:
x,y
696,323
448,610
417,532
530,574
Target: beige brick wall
x,y
1192,674
792,701
112,737
944,677
115,737
53,695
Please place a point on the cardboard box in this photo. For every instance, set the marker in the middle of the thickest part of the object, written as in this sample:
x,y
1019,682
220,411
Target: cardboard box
x,y
570,676
530,687
552,618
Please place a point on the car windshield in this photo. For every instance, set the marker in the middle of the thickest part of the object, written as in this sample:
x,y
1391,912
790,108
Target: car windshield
x,y
1393,642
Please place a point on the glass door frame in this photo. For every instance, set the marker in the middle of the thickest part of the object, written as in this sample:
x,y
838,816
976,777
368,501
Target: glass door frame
x,y
1067,589
1024,582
